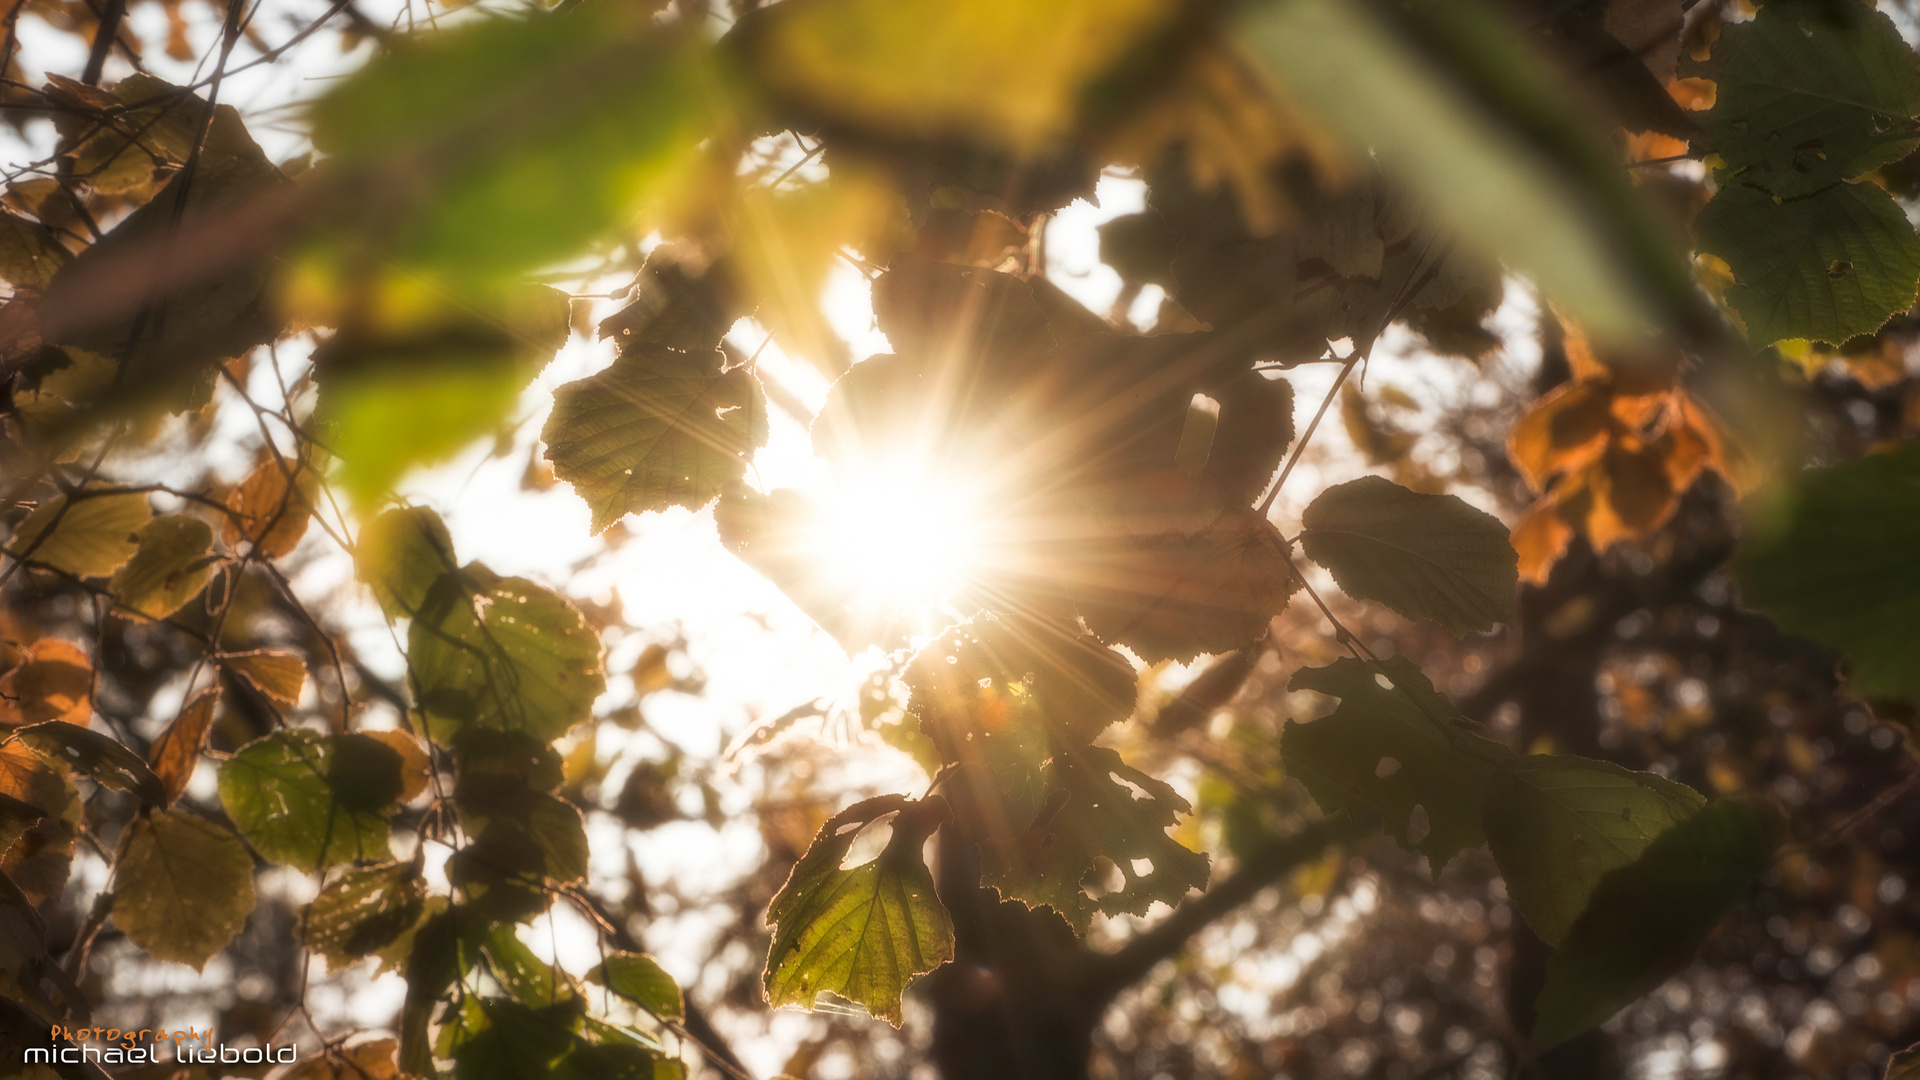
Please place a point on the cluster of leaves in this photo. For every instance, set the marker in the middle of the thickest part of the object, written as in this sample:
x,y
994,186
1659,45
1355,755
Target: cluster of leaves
x,y
1133,516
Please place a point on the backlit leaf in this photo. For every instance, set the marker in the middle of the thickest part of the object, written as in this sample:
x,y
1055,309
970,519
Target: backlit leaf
x,y
502,653
1829,555
170,568
312,801
271,507
87,536
363,911
54,681
659,428
278,675
1425,556
400,554
640,979
1646,919
184,887
1394,745
1808,94
1825,266
99,756
861,934
177,750
29,254
1092,813
39,859
1557,824
416,767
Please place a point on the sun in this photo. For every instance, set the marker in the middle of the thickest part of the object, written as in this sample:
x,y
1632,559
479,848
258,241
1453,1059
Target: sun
x,y
901,540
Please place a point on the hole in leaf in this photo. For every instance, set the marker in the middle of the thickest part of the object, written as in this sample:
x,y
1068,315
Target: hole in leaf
x,y
1196,435
1142,867
1385,683
1103,878
869,844
1387,767
1838,268
1418,827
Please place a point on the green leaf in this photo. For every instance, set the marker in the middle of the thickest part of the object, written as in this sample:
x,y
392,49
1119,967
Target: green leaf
x,y
29,253
1808,94
658,428
88,751
508,143
400,555
517,1041
1830,555
183,888
1557,824
531,981
400,392
640,978
363,911
503,653
1394,745
1425,556
170,568
310,800
862,934
1092,813
1826,267
1647,919
1448,100
87,536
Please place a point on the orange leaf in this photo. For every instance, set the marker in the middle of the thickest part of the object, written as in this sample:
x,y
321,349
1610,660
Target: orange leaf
x,y
177,750
1561,432
278,675
269,511
54,683
1540,538
1631,493
416,769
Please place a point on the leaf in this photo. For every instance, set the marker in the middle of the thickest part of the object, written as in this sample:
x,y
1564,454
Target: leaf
x,y
1091,813
1176,597
1425,556
1466,117
29,252
54,681
1829,555
170,568
1826,267
277,675
412,381
183,888
640,978
503,653
16,817
522,139
1646,919
363,911
517,1041
88,751
863,933
1557,824
271,507
1563,431
177,751
1904,1065
999,71
400,554
1808,94
658,428
1389,749
40,858
676,305
312,801
416,767
87,536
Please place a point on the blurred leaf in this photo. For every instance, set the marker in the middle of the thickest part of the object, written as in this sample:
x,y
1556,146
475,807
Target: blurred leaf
x,y
1826,267
640,979
54,681
1557,824
1829,555
1389,749
1646,919
90,752
312,801
363,911
862,934
995,71
1091,813
16,817
29,254
517,1041
676,307
170,568
493,652
1453,106
416,767
1425,556
416,373
528,979
177,751
400,554
1808,94
279,676
508,143
183,888
271,507
89,535
659,428
40,858
1904,1065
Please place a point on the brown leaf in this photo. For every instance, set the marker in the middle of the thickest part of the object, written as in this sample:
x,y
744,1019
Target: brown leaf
x,y
177,750
1650,29
1540,538
416,769
1561,432
54,683
1632,494
268,509
278,675
39,860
